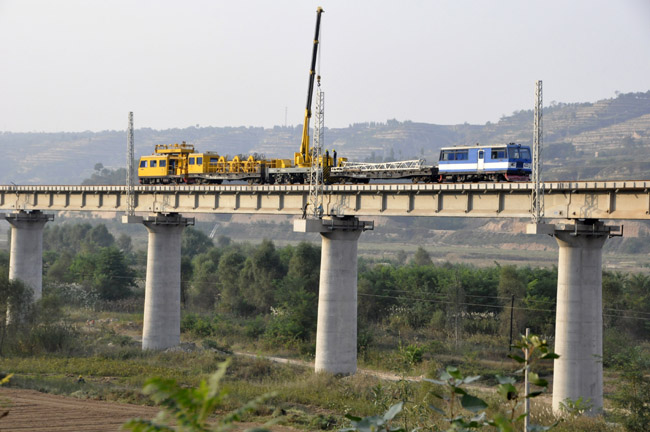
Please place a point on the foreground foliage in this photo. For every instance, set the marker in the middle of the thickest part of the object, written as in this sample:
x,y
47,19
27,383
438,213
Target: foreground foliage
x,y
463,411
190,409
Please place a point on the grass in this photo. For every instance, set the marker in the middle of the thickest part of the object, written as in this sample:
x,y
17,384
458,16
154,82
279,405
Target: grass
x,y
115,369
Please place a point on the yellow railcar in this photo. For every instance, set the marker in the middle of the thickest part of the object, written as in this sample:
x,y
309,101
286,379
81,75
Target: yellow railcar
x,y
168,164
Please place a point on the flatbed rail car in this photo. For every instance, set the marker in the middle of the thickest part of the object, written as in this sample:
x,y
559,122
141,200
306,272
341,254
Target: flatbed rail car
x,y
362,172
504,162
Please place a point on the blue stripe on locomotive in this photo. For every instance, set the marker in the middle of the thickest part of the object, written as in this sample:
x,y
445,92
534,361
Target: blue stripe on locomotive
x,y
464,160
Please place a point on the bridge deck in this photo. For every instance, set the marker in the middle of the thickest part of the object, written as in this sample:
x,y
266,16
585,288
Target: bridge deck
x,y
573,200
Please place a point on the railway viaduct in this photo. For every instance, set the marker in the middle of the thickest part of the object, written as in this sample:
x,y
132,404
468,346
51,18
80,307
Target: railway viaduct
x,y
580,211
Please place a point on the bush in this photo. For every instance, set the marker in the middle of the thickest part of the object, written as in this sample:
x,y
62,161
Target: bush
x,y
255,327
196,325
56,337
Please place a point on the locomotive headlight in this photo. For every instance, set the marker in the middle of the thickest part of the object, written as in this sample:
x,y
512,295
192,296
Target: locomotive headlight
x,y
513,164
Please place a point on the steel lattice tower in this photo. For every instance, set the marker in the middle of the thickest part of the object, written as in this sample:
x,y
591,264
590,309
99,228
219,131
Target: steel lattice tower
x,y
538,192
130,175
316,168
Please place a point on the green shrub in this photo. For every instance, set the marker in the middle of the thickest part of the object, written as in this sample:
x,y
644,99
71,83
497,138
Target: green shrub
x,y
255,328
57,337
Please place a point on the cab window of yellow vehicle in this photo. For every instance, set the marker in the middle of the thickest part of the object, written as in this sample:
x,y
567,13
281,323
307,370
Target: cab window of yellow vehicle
x,y
199,161
143,164
191,161
153,164
163,164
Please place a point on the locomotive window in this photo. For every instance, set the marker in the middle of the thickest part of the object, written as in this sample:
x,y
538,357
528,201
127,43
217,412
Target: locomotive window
x,y
525,153
461,155
191,161
143,164
499,154
514,153
199,161
444,155
163,164
153,164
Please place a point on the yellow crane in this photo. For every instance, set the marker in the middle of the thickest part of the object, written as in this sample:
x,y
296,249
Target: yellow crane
x,y
303,158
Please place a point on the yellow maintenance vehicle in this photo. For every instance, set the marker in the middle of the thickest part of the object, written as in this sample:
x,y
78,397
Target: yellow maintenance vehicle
x,y
180,163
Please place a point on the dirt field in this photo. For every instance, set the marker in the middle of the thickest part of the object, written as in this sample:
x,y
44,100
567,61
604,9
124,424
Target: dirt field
x,y
34,411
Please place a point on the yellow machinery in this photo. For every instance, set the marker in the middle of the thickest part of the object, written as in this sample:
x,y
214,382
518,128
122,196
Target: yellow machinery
x,y
303,158
179,163
168,164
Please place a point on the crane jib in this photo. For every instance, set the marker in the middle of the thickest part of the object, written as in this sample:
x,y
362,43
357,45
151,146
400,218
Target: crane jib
x,y
312,70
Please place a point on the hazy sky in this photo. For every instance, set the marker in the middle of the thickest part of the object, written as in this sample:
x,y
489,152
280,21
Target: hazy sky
x,y
82,65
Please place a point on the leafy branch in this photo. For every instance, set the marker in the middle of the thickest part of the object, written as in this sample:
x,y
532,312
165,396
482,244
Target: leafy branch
x,y
190,409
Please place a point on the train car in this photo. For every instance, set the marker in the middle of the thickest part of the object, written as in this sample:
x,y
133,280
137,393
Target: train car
x,y
168,164
505,162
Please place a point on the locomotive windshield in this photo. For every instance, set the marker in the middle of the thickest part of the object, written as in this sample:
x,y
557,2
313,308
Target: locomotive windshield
x,y
519,153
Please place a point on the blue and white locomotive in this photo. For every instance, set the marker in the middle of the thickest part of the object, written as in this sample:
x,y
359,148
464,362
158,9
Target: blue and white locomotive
x,y
504,162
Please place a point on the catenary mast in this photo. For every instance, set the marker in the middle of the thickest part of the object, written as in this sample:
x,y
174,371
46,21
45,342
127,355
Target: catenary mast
x,y
538,192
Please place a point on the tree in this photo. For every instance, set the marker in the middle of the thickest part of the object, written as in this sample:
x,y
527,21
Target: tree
x,y
304,266
512,284
104,272
376,288
194,242
99,236
296,296
631,398
230,265
112,277
421,257
124,243
260,273
105,176
58,271
16,305
204,287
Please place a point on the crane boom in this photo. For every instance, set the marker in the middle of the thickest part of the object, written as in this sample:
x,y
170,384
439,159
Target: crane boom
x,y
303,158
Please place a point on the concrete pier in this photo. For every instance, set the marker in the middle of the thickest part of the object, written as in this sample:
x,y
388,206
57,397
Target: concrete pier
x,y
162,303
26,260
336,333
578,373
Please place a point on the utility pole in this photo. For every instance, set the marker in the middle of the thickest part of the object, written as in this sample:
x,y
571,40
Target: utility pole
x,y
512,313
130,175
526,386
538,192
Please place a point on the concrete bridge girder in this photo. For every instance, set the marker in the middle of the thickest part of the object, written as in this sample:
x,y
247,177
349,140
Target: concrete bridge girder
x,y
563,200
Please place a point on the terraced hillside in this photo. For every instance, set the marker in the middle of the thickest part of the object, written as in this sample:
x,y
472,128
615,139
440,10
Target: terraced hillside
x,y
606,139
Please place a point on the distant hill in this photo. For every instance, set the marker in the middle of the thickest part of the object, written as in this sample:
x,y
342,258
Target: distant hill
x,y
606,139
